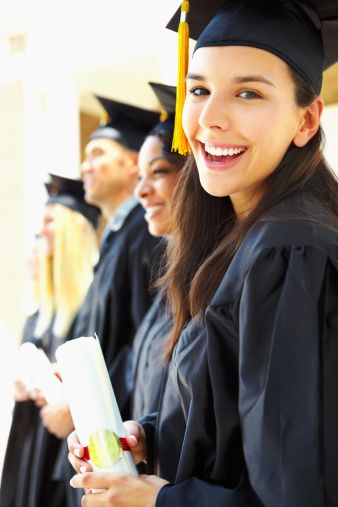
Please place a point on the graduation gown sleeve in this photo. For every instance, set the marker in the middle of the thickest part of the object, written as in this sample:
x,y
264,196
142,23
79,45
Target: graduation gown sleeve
x,y
287,322
288,402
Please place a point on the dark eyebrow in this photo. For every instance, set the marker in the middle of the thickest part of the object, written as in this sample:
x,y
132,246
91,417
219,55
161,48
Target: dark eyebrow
x,y
156,159
237,80
252,79
197,77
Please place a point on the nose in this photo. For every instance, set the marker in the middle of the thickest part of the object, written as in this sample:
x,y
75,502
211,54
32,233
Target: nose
x,y
41,232
86,166
215,114
44,231
143,189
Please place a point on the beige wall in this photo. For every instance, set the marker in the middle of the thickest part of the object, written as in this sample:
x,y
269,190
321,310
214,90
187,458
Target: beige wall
x,y
11,205
88,123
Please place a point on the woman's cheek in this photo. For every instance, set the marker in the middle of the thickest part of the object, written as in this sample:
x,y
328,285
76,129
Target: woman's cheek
x,y
189,119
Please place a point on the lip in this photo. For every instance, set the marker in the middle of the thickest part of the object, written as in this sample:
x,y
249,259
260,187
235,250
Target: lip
x,y
88,182
153,210
226,163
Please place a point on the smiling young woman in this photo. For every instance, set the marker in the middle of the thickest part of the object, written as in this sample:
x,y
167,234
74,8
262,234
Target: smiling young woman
x,y
240,118
277,131
248,413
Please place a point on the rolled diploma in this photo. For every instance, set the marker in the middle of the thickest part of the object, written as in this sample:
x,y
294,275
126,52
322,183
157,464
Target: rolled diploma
x,y
92,403
36,368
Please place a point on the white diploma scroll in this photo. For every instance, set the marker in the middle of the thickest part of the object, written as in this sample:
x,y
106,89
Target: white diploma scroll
x,y
35,369
93,405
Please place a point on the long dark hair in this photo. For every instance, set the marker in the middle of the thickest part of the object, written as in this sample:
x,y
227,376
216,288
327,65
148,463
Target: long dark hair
x,y
206,234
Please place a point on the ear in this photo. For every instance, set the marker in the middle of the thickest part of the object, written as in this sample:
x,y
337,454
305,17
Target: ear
x,y
132,162
309,122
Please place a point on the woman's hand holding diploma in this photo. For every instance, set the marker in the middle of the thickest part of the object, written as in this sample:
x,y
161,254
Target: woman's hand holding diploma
x,y
121,490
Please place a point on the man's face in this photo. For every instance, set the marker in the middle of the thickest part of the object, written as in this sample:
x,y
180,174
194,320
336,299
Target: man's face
x,y
105,170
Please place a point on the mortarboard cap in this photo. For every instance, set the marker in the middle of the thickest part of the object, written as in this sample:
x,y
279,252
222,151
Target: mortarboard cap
x,y
166,96
304,33
126,124
70,193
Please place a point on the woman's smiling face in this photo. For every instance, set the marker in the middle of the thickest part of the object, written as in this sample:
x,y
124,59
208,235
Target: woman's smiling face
x,y
240,117
157,182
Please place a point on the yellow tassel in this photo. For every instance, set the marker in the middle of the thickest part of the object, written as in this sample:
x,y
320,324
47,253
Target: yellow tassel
x,y
163,116
104,119
180,142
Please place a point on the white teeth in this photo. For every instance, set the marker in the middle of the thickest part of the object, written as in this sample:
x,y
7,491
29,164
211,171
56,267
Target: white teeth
x,y
152,209
219,152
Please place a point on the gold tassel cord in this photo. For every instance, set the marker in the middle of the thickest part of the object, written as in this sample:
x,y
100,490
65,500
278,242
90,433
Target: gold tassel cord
x,y
180,142
163,116
104,119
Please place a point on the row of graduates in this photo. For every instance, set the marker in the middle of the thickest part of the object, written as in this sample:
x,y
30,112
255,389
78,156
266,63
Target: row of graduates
x,y
79,290
232,376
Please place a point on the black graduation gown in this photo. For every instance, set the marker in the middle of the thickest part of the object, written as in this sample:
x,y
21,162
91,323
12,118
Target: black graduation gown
x,y
148,359
117,300
249,413
119,297
27,475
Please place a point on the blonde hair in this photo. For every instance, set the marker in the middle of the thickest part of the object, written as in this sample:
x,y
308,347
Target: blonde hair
x,y
65,276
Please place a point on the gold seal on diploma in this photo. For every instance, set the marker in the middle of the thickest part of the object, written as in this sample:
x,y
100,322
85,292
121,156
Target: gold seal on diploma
x,y
105,448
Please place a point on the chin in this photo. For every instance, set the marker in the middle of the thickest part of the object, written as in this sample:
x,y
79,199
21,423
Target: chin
x,y
214,190
90,199
156,230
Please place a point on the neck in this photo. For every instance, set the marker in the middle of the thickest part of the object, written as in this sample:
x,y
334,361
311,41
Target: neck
x,y
244,203
108,209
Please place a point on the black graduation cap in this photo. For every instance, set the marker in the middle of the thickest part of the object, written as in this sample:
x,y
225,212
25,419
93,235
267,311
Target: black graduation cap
x,y
304,33
166,95
70,193
126,124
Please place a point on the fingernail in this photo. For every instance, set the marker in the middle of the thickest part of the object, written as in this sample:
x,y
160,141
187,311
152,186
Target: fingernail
x,y
133,438
71,482
83,469
77,453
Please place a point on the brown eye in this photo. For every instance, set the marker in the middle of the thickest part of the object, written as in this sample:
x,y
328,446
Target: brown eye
x,y
160,170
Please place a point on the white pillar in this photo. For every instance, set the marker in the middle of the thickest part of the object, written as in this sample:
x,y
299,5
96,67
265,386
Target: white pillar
x,y
11,205
330,126
52,143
